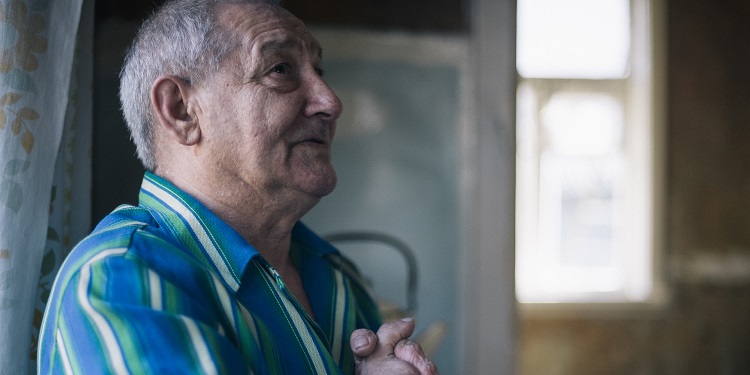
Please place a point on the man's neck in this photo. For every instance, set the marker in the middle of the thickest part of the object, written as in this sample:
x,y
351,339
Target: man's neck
x,y
264,222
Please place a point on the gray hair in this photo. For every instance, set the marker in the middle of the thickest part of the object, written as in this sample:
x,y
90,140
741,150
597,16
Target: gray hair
x,y
182,38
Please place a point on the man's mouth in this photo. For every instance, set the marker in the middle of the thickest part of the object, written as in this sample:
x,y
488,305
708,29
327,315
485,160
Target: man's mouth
x,y
315,139
314,143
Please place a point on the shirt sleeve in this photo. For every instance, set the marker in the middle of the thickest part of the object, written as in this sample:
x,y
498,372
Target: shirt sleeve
x,y
117,315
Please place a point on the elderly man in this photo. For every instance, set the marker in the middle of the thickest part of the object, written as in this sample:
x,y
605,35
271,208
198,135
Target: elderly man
x,y
212,272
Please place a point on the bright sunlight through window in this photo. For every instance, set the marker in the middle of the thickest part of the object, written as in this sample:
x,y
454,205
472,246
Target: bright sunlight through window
x,y
584,153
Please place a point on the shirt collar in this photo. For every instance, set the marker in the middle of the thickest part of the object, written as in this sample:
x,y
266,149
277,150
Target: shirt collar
x,y
211,240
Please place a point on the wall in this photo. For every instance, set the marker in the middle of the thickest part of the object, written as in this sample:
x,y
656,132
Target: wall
x,y
116,172
704,328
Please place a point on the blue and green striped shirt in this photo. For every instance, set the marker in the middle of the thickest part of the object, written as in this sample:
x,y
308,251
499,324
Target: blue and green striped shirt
x,y
167,287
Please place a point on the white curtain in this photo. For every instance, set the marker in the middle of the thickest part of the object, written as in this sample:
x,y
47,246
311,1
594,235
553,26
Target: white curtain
x,y
45,127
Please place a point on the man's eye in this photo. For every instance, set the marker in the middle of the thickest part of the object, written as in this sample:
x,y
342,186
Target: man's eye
x,y
282,69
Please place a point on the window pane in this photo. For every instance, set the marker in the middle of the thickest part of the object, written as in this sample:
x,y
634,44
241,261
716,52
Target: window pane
x,y
582,123
583,158
568,239
573,38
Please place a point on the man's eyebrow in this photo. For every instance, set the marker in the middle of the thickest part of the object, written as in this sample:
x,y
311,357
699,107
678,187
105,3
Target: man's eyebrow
x,y
270,47
278,45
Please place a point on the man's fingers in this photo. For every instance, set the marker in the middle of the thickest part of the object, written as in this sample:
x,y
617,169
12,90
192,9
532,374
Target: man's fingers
x,y
390,351
410,351
389,334
363,343
428,368
406,349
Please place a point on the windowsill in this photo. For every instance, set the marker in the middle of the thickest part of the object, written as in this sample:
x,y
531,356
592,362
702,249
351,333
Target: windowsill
x,y
653,308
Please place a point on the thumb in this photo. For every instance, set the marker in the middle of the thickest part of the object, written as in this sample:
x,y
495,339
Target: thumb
x,y
363,343
389,334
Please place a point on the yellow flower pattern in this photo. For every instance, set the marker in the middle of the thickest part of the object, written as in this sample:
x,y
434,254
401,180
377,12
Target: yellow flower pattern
x,y
21,40
20,118
29,45
22,37
22,43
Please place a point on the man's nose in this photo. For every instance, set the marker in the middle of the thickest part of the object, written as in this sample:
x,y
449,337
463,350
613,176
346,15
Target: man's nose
x,y
322,101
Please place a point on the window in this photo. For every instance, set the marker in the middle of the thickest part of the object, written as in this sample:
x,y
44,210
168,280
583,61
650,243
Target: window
x,y
586,151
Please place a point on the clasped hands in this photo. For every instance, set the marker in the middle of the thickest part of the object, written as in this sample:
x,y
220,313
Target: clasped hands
x,y
389,351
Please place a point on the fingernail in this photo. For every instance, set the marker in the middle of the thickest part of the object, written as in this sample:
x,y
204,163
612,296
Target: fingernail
x,y
407,319
360,342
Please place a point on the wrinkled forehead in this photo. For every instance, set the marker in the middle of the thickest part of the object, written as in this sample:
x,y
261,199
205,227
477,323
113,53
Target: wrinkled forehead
x,y
260,27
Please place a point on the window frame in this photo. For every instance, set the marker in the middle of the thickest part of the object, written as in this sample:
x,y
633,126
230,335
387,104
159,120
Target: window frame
x,y
642,91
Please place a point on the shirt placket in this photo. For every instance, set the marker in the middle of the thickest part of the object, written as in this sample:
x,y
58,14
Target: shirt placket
x,y
286,293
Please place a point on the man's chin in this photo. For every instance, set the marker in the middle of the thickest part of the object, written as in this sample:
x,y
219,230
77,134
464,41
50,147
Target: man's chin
x,y
322,191
319,185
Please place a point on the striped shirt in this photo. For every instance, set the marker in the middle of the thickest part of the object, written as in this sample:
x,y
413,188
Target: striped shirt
x,y
167,287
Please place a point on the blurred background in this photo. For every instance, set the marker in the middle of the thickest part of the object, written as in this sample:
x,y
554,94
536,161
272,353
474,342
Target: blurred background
x,y
572,177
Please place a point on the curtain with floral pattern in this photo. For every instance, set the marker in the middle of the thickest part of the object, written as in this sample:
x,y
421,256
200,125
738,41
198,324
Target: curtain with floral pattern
x,y
45,127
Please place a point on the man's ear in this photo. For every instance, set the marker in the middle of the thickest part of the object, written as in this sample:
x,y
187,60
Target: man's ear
x,y
170,99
